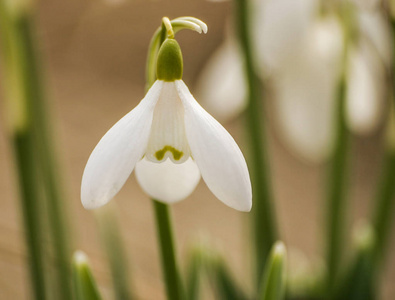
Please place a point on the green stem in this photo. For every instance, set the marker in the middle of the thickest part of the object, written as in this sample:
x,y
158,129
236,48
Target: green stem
x,y
48,167
112,242
31,205
49,172
162,214
264,220
168,252
194,270
22,46
18,95
384,210
385,198
336,197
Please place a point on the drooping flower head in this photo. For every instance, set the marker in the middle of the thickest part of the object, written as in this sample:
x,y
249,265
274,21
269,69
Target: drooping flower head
x,y
170,141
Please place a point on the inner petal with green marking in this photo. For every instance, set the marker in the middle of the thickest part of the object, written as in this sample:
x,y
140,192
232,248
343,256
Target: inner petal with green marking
x,y
177,155
168,138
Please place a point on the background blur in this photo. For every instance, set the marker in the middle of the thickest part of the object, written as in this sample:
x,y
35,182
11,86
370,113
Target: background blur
x,y
94,53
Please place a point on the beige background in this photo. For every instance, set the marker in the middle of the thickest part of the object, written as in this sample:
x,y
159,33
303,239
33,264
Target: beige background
x,y
95,56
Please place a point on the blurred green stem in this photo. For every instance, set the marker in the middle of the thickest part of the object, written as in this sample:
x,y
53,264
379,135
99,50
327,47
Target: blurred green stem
x,y
383,211
27,103
194,270
336,197
264,220
336,204
273,280
225,285
18,93
357,283
168,253
112,242
84,284
384,205
31,205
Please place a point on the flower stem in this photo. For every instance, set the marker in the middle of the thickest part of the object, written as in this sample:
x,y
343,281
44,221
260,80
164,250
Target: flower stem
x,y
385,198
111,239
26,89
264,220
22,135
31,204
168,253
337,176
336,203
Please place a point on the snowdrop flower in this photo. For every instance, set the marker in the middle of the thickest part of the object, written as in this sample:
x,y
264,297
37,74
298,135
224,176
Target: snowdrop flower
x,y
170,141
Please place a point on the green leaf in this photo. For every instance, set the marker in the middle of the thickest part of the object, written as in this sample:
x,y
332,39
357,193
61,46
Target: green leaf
x,y
85,287
358,281
273,282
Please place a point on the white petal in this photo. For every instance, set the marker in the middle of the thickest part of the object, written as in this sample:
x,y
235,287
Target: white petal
x,y
115,156
167,137
217,155
305,94
166,181
375,27
221,87
365,100
279,26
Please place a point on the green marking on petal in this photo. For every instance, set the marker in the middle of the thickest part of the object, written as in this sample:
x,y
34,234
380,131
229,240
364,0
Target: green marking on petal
x,y
161,153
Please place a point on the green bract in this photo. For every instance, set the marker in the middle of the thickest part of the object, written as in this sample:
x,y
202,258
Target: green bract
x,y
169,65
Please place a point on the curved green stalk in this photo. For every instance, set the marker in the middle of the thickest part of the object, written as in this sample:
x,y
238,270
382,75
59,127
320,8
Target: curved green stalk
x,y
168,253
264,220
164,227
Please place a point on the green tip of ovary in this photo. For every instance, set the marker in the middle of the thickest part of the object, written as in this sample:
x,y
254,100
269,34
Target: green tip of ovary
x,y
161,153
169,65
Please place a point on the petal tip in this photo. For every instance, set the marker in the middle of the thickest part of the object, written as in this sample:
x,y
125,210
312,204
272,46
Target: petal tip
x,y
245,207
92,203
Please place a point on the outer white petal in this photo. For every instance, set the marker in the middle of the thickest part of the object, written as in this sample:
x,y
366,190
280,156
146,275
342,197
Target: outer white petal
x,y
166,181
375,28
305,93
115,156
365,99
279,27
217,155
221,87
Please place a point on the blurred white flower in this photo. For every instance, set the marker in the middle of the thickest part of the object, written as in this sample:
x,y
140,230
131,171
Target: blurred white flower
x,y
369,58
300,51
279,27
304,91
221,84
365,90
170,140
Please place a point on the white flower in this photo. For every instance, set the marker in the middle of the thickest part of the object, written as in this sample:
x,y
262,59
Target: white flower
x,y
170,140
221,87
300,51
